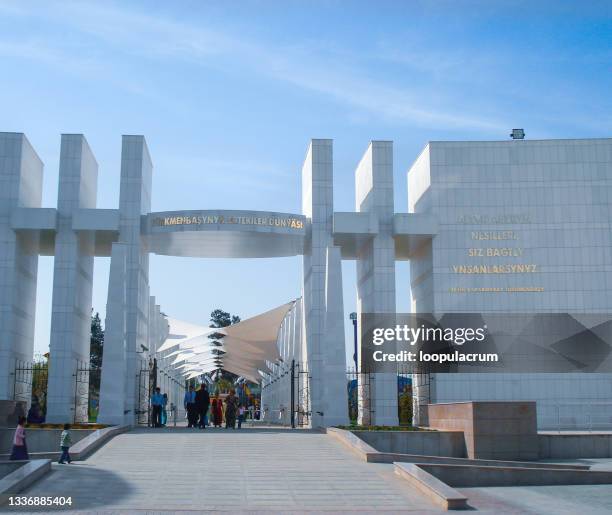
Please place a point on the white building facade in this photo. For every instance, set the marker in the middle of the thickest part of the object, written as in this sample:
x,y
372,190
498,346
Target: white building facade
x,y
544,204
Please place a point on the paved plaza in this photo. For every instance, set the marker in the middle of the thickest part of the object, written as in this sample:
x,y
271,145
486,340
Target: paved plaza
x,y
251,469
270,470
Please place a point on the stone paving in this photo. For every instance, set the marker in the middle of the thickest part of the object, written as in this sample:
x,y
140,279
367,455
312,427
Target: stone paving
x,y
224,470
263,470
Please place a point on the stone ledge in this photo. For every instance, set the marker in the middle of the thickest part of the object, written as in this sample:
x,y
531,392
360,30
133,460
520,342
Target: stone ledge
x,y
438,481
90,443
443,460
468,475
429,443
50,455
23,477
354,443
434,489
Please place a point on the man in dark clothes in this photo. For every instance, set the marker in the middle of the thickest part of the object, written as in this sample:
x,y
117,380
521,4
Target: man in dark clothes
x,y
202,403
190,407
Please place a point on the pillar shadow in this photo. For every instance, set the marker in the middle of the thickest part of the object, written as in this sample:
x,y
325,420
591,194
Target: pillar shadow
x,y
90,488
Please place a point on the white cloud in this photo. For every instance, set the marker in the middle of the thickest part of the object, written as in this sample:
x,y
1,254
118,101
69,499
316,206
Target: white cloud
x,y
132,32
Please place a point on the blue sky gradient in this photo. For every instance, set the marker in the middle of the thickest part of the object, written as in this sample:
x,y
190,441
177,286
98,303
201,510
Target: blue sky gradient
x,y
228,95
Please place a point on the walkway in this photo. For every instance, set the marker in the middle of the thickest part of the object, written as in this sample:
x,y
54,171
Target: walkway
x,y
258,470
263,470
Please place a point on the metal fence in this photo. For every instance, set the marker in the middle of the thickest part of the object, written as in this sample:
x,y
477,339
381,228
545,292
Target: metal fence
x,y
300,395
359,384
30,380
413,390
146,381
86,393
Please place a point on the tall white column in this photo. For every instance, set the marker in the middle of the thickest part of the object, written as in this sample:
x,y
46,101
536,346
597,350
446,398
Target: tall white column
x,y
72,284
135,201
335,386
21,173
376,272
317,205
113,386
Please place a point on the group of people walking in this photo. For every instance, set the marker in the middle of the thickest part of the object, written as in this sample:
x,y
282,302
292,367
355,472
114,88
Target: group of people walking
x,y
20,447
159,412
197,405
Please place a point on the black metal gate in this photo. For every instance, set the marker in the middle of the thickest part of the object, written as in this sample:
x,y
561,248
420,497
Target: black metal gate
x,y
405,395
421,395
146,381
413,390
30,380
86,393
359,388
300,395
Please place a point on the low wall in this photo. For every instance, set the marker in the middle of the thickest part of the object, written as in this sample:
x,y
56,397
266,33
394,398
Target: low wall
x,y
427,443
435,490
464,476
95,440
39,440
505,430
574,446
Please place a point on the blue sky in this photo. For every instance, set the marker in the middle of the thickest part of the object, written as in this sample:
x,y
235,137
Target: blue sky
x,y
228,95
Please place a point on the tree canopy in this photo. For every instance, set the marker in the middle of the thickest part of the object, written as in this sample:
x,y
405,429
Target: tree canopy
x,y
96,346
220,318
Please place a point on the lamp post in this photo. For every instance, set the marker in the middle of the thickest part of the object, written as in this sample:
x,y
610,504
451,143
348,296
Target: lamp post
x,y
353,317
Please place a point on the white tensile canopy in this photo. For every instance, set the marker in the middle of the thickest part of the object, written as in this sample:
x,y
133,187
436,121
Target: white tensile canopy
x,y
185,335
247,345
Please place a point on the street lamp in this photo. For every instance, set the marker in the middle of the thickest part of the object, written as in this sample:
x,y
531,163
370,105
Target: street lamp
x,y
353,317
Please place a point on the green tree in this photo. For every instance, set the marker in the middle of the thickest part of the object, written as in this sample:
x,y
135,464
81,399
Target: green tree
x,y
96,349
96,345
220,318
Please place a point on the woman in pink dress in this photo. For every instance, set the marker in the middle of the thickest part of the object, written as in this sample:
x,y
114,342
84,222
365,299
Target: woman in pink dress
x,y
20,450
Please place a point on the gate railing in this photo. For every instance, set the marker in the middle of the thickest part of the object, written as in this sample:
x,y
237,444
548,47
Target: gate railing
x,y
86,392
412,391
360,408
300,387
303,409
146,381
30,380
